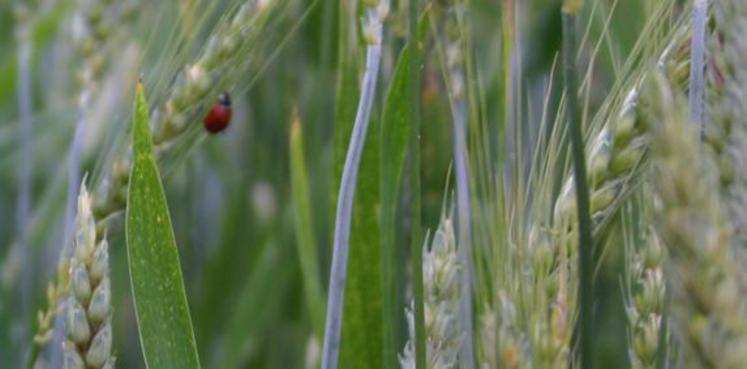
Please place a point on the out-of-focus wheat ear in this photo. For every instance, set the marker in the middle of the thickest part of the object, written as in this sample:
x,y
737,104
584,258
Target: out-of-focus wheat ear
x,y
93,23
645,292
441,282
215,69
550,328
618,151
616,155
726,134
199,78
513,345
705,281
88,307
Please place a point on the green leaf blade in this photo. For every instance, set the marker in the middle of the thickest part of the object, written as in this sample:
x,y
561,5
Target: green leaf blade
x,y
164,323
395,133
362,330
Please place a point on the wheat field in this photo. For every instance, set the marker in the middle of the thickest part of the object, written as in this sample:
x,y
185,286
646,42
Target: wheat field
x,y
414,184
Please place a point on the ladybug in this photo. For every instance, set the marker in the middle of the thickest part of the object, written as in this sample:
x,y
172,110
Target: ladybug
x,y
219,116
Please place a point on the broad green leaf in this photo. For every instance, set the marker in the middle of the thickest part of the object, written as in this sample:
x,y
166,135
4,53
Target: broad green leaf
x,y
362,326
166,334
395,133
362,332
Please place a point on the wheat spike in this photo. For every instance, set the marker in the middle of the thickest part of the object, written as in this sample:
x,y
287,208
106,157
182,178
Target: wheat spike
x,y
441,269
706,283
88,307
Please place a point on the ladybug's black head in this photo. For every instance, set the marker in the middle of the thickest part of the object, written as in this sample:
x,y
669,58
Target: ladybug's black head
x,y
224,99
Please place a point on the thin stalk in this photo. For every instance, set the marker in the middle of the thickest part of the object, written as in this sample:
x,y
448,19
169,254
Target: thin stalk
x,y
464,233
416,232
25,139
338,275
507,61
584,327
697,50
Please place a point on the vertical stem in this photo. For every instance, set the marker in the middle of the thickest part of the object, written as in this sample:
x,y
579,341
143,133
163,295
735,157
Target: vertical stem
x,y
25,137
584,330
506,83
697,61
459,112
416,232
333,323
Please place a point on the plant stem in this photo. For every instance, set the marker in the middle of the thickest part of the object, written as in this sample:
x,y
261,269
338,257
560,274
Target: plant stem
x,y
416,232
584,332
333,323
459,113
25,136
697,61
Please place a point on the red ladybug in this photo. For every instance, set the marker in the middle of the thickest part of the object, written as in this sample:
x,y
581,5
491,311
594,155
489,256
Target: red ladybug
x,y
219,116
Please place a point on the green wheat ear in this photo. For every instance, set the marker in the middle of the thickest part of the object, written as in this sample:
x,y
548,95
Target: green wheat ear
x,y
216,68
705,281
727,133
88,307
645,292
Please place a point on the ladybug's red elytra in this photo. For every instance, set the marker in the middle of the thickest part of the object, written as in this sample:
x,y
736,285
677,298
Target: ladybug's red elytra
x,y
219,116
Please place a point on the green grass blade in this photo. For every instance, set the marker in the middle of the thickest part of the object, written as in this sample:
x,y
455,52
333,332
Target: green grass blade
x,y
395,132
584,329
259,302
415,34
362,330
305,235
164,324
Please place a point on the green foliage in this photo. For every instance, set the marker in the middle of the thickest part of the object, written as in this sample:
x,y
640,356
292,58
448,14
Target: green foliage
x,y
306,242
362,326
394,136
251,208
164,323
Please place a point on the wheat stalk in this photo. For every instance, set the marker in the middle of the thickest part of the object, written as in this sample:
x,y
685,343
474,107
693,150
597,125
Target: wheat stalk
x,y
88,308
457,99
